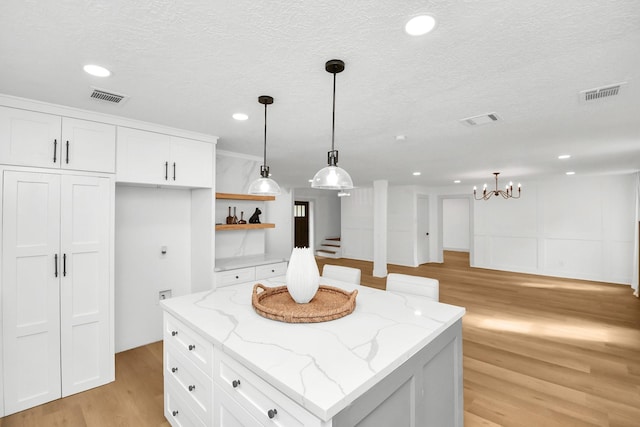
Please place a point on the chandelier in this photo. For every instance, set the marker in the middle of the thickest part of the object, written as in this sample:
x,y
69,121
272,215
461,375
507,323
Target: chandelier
x,y
507,193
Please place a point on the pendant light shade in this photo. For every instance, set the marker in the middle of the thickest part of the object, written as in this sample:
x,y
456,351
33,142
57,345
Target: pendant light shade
x,y
264,185
333,177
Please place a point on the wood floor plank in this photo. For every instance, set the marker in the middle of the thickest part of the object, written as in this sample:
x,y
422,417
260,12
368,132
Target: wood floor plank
x,y
538,351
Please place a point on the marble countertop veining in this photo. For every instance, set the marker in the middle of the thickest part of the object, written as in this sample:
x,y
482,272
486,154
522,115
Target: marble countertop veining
x,y
321,366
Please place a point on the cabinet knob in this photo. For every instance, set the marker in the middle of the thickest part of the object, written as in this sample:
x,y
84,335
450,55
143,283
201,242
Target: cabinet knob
x,y
237,277
235,383
192,347
174,413
174,370
272,413
192,387
273,271
174,333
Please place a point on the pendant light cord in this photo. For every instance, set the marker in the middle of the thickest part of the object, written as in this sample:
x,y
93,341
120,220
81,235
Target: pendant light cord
x,y
265,136
333,123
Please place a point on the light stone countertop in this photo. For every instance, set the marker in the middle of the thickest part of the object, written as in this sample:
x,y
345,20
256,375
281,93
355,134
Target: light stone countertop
x,y
224,264
321,366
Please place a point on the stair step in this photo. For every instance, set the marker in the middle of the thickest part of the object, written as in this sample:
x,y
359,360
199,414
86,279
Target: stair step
x,y
331,244
333,238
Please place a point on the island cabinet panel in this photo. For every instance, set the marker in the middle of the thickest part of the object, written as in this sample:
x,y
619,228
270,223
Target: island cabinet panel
x,y
189,344
176,409
229,413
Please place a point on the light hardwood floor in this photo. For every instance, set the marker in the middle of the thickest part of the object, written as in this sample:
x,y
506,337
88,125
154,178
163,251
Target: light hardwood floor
x,y
538,352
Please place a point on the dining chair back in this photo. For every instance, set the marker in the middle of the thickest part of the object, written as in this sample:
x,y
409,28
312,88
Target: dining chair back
x,y
404,283
345,274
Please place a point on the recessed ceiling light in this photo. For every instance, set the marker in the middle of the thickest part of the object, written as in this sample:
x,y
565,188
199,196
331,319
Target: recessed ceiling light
x,y
311,180
420,25
417,173
564,156
96,70
240,116
401,138
457,181
570,173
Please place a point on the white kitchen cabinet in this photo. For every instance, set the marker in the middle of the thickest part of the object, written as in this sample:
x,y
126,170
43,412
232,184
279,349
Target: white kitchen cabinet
x,y
242,275
37,139
56,286
154,158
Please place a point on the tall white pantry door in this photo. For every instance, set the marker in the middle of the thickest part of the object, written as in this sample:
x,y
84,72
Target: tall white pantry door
x,y
30,289
55,286
87,359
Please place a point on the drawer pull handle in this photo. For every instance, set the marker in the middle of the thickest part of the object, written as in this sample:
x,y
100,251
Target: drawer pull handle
x,y
273,271
237,277
192,387
174,370
174,413
174,333
192,347
235,383
272,413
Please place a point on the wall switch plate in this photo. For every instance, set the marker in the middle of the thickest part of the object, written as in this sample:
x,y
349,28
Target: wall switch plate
x,y
166,294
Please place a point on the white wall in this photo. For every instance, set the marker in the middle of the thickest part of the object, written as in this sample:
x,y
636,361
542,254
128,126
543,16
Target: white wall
x,y
455,224
579,227
234,173
326,212
357,224
146,219
565,226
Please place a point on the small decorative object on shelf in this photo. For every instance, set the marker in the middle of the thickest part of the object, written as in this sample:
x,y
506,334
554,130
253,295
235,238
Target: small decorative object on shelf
x,y
235,218
303,277
229,218
255,218
242,221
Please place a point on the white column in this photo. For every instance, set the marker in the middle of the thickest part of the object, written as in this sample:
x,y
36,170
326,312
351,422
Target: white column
x,y
380,228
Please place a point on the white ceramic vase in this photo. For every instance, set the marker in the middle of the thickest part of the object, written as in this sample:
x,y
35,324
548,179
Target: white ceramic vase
x,y
303,277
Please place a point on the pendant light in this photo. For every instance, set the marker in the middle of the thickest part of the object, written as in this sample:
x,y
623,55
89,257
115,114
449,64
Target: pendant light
x,y
333,177
264,185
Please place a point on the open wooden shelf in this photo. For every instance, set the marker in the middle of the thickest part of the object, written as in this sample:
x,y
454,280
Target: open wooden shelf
x,y
233,196
220,227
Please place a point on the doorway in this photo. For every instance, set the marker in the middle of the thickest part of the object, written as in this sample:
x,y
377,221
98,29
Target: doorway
x,y
301,224
422,250
455,225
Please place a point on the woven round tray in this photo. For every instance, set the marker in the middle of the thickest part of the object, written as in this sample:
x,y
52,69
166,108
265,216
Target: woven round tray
x,y
329,303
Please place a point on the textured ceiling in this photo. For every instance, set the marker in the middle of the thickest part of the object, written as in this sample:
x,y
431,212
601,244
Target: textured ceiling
x,y
193,63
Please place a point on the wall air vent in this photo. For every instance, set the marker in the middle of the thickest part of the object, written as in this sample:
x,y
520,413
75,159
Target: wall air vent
x,y
482,119
103,95
601,92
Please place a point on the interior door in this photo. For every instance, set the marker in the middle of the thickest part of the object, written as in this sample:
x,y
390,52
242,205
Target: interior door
x,y
301,224
30,289
423,230
87,359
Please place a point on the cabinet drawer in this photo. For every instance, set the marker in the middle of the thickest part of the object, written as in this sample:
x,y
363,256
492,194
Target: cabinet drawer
x,y
188,343
176,410
192,384
229,413
265,403
271,270
233,277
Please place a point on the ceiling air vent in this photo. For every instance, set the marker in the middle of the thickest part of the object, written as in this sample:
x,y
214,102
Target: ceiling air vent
x,y
601,92
482,119
103,95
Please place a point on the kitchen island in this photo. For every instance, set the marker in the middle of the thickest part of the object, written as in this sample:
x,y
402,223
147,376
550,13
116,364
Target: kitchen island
x,y
396,360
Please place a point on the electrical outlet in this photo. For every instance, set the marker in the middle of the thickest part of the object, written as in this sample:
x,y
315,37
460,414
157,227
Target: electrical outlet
x,y
166,294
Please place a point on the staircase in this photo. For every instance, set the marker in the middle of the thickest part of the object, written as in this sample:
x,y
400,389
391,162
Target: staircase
x,y
330,248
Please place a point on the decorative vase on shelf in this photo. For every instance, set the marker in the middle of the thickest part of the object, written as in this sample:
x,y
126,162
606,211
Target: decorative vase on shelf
x,y
303,277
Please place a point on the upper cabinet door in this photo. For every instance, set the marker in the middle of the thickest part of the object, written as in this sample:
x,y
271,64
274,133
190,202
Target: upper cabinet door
x,y
191,163
143,157
88,146
28,138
